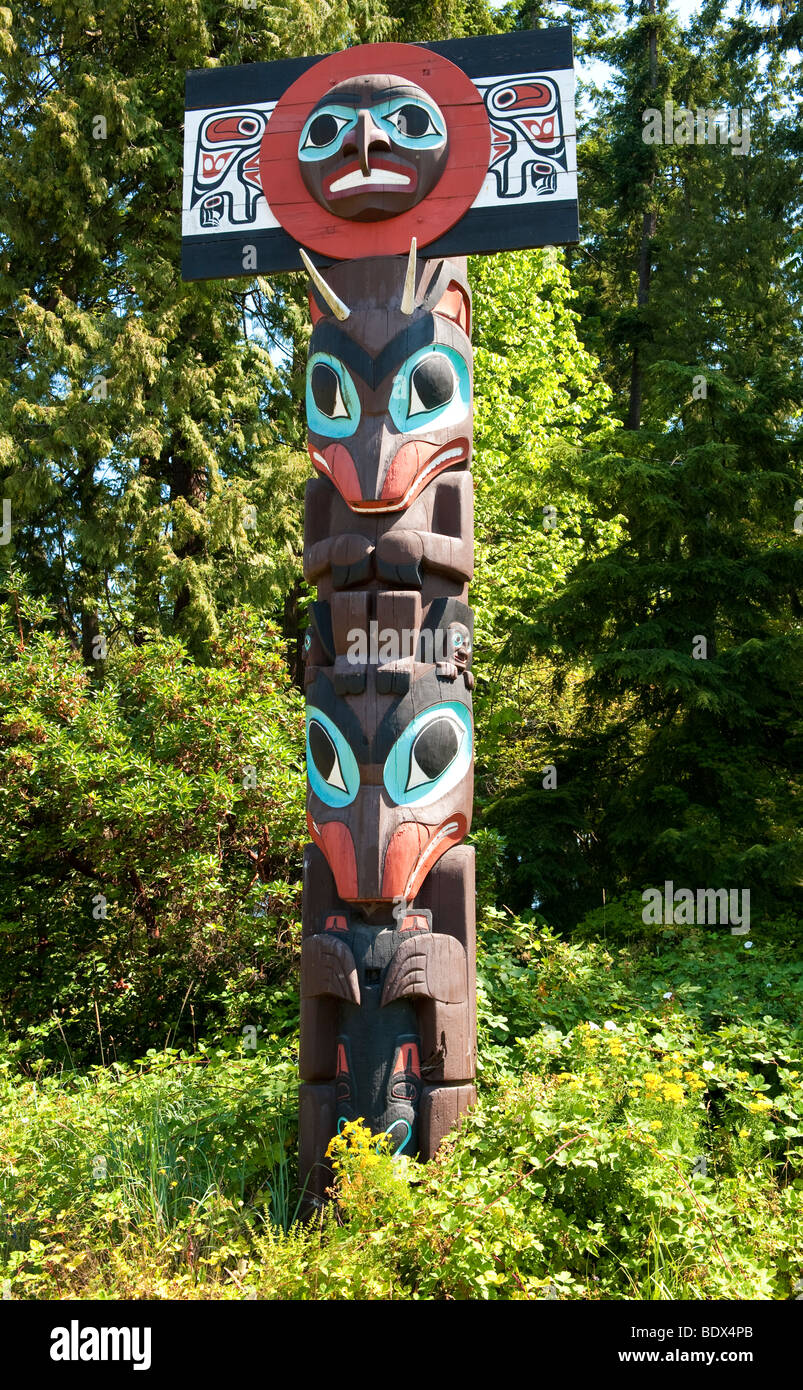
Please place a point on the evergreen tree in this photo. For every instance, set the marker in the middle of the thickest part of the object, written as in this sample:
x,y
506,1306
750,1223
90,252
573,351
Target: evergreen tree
x,y
139,416
686,634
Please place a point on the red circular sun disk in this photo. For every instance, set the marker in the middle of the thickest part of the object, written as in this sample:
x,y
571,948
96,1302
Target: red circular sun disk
x,y
469,136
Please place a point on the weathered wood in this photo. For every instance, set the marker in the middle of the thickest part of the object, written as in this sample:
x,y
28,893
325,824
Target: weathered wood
x,y
428,967
328,968
316,1123
441,1110
393,716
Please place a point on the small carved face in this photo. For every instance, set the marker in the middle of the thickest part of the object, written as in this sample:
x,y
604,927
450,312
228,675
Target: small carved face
x,y
372,148
458,645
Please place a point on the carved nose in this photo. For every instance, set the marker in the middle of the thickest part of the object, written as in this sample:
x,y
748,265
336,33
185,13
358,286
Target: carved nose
x,y
365,136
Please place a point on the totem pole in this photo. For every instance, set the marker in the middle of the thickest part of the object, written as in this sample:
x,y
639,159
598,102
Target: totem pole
x,y
379,168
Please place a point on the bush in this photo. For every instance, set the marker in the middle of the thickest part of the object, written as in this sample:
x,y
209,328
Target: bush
x,y
148,891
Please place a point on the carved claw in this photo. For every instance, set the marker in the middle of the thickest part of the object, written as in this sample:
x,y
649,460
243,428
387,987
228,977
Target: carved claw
x,y
398,559
350,677
393,678
427,967
327,967
352,560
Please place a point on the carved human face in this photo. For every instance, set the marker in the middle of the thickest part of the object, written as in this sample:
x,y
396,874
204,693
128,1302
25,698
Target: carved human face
x,y
373,147
459,645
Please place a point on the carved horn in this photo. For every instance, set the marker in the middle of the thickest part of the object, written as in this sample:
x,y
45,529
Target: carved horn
x,y
339,309
408,297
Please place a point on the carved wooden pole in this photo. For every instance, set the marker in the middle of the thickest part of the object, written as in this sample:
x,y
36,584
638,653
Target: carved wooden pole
x,y
389,163
388,1013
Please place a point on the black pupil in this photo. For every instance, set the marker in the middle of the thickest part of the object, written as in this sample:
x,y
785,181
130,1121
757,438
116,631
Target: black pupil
x,y
435,747
322,749
325,387
413,120
323,129
434,381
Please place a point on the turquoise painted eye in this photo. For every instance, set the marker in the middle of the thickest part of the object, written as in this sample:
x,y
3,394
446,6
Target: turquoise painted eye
x,y
431,756
333,406
414,124
331,766
432,389
323,132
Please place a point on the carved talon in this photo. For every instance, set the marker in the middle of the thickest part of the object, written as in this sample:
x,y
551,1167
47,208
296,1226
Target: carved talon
x,y
427,967
393,678
328,967
352,560
398,558
349,676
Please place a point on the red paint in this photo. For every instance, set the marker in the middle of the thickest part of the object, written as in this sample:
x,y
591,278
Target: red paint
x,y
413,850
338,466
414,922
334,840
438,844
231,128
314,312
527,95
543,129
469,153
455,304
405,477
407,1060
403,852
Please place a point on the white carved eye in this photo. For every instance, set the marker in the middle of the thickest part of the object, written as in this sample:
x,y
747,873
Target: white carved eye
x,y
326,392
435,749
432,384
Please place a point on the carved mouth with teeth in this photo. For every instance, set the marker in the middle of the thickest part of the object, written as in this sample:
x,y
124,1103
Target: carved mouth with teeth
x,y
387,175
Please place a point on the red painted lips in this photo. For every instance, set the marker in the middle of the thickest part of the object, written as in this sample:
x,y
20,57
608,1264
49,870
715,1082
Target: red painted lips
x,y
354,181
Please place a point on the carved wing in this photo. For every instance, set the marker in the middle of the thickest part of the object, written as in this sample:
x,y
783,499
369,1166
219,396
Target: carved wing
x,y
427,967
327,967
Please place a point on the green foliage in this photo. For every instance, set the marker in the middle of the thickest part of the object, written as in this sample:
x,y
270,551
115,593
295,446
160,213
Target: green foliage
x,y
672,761
141,416
104,1174
147,886
637,1136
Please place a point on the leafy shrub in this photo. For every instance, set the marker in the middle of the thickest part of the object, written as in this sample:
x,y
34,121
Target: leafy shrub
x,y
637,1136
148,890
